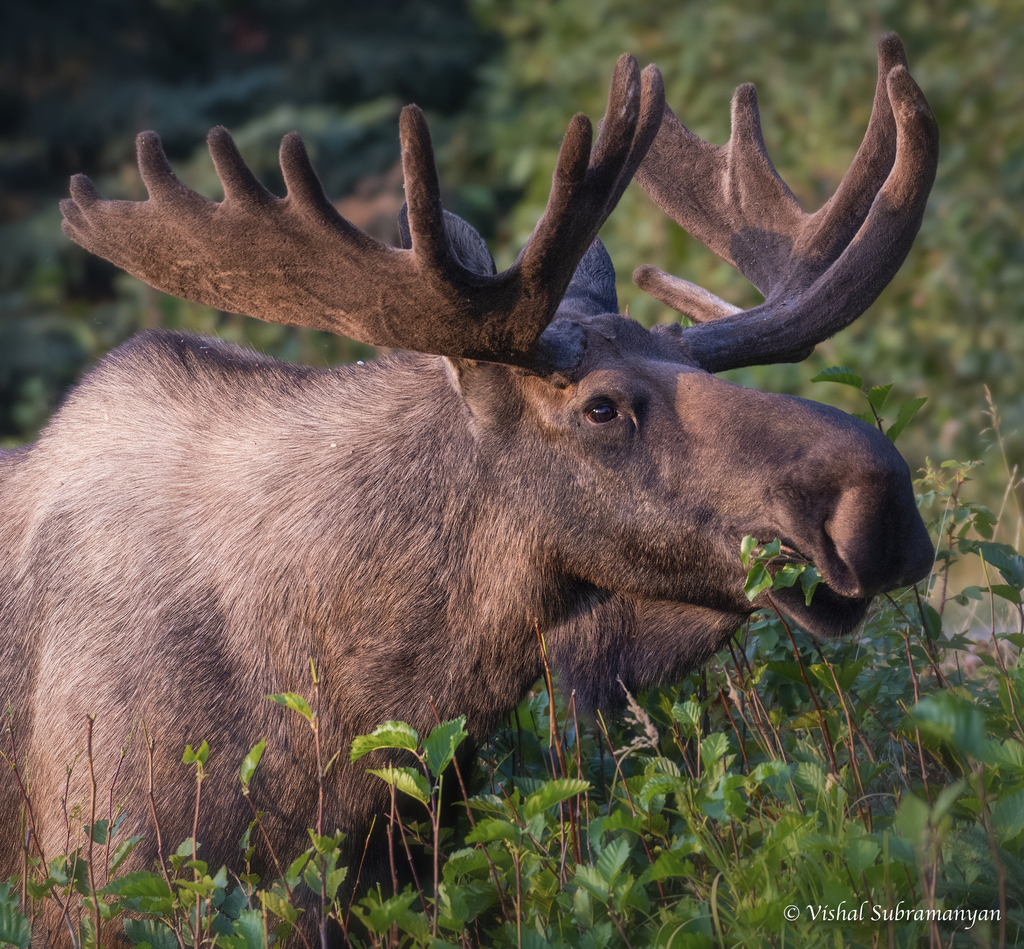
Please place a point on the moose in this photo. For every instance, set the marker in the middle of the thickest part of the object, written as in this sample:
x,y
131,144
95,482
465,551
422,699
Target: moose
x,y
198,521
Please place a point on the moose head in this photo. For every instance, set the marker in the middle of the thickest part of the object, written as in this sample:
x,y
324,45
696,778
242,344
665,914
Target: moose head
x,y
198,521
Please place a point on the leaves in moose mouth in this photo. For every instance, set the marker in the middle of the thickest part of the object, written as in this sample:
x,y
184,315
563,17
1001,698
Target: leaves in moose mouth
x,y
757,557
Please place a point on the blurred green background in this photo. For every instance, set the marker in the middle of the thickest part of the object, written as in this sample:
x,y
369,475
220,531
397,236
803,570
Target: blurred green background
x,y
499,81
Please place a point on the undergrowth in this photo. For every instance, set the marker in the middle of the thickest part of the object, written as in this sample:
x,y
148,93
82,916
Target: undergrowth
x,y
864,792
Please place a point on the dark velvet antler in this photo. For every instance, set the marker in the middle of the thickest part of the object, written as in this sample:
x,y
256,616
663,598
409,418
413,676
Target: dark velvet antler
x,y
296,260
818,272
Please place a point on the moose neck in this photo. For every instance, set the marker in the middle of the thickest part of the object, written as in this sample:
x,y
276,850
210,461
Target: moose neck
x,y
460,581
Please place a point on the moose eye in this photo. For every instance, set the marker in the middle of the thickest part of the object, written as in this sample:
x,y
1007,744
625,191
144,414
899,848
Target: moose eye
x,y
602,412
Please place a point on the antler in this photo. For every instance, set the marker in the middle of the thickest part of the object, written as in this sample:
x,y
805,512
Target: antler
x,y
818,272
296,260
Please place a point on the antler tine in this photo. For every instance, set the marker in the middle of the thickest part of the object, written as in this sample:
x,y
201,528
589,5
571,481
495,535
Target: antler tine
x,y
585,193
240,185
819,271
296,260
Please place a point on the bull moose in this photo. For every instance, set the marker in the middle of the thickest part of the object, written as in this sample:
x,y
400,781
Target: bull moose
x,y
198,521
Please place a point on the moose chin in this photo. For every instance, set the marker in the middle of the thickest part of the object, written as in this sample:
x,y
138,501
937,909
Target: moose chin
x,y
198,521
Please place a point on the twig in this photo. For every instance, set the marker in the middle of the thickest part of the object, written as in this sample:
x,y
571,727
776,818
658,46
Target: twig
x,y
110,811
917,731
469,815
814,698
150,745
986,819
555,739
89,719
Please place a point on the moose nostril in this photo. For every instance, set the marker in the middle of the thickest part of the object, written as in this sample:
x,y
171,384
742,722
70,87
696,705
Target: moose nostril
x,y
838,569
862,536
876,539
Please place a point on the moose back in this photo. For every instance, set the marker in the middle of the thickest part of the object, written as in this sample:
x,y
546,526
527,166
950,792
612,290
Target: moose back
x,y
198,521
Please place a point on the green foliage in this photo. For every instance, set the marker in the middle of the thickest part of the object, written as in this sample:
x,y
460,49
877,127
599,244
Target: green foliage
x,y
14,928
877,397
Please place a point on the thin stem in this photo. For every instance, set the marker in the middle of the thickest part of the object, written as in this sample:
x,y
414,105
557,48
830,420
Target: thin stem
x,y
92,830
110,812
469,815
814,698
150,746
986,819
277,865
917,731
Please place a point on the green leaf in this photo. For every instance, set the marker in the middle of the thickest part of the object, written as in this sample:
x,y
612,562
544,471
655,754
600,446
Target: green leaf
x,y
328,843
672,863
388,735
1006,592
493,828
687,714
196,757
877,396
845,672
861,853
770,550
1005,754
334,879
440,745
809,580
788,575
250,762
1008,816
123,850
312,875
14,927
153,931
295,702
98,831
553,792
758,579
407,780
276,902
233,903
932,621
907,411
141,883
950,718
1001,556
612,859
746,549
295,869
946,798
840,374
379,916
712,748
246,932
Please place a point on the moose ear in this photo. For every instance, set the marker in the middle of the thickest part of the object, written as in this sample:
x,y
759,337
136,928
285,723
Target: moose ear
x,y
465,242
592,290
488,390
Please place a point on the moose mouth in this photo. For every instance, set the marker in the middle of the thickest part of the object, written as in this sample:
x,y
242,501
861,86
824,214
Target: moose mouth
x,y
830,614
